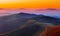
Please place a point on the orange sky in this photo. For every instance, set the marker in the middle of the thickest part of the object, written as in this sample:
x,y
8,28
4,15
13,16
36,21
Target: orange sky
x,y
29,3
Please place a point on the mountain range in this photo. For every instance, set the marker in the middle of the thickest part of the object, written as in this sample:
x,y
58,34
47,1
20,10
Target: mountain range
x,y
23,21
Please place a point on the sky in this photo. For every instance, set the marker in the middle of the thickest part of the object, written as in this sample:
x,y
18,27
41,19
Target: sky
x,y
6,6
29,3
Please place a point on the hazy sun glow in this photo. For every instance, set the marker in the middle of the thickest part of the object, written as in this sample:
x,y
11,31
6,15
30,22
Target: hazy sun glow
x,y
29,3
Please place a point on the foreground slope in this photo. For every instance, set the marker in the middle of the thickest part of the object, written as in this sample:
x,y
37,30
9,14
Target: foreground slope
x,y
17,22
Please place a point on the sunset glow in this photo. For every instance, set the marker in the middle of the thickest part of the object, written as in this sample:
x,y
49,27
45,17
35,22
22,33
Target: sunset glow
x,y
29,3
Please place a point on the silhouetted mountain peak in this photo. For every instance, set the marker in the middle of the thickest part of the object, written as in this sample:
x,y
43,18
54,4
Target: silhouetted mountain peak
x,y
22,13
26,14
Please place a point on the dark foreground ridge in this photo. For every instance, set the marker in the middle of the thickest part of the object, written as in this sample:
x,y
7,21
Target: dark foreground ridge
x,y
27,24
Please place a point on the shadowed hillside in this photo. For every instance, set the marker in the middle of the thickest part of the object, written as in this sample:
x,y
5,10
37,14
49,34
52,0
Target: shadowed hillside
x,y
27,24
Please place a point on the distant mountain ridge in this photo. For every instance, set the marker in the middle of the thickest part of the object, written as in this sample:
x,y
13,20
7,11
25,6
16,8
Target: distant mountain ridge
x,y
51,9
29,16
